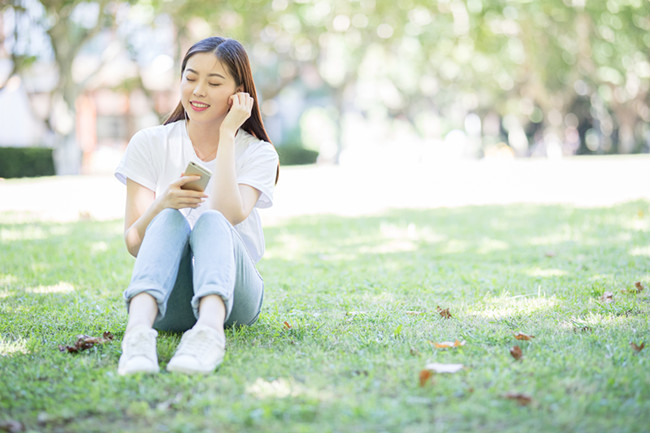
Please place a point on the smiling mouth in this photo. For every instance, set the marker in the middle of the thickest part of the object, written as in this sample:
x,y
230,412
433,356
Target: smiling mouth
x,y
198,105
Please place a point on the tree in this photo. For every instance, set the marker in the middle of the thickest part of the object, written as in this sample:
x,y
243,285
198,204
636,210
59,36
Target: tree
x,y
547,66
66,27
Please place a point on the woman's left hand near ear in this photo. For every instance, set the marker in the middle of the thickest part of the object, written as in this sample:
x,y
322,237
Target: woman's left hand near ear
x,y
241,105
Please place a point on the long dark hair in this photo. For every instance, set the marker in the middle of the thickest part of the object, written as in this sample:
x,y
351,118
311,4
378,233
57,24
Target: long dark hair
x,y
233,55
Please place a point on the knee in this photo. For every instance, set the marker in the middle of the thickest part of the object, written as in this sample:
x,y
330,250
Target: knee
x,y
170,216
212,217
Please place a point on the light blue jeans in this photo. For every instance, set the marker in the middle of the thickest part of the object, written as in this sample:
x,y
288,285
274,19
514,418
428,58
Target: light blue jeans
x,y
178,266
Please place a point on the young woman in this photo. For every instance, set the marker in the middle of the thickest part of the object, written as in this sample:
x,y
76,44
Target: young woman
x,y
196,250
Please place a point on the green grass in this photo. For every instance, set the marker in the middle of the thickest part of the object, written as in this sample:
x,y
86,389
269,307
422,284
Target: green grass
x,y
351,360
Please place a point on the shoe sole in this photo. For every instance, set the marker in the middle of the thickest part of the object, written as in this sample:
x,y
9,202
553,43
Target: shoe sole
x,y
127,372
181,369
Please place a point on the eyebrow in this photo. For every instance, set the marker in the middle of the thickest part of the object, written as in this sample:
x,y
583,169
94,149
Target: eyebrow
x,y
209,75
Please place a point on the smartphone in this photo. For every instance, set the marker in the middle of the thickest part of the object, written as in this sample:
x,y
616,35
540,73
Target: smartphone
x,y
195,169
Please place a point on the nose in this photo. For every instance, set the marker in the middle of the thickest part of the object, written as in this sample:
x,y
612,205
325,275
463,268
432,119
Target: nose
x,y
199,90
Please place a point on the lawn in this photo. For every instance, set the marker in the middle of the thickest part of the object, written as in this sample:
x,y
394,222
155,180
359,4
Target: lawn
x,y
351,319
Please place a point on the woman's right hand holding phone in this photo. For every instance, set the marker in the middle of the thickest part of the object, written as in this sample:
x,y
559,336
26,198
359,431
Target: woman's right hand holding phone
x,y
176,197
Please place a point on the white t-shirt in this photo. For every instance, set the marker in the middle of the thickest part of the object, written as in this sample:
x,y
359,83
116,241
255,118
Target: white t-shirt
x,y
157,156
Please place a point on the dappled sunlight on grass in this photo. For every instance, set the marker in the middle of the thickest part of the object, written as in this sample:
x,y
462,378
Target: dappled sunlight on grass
x,y
390,246
32,232
394,238
338,257
455,246
8,279
506,306
61,287
291,246
20,234
539,272
636,223
98,247
558,237
411,231
600,277
623,237
8,348
397,231
487,246
640,251
283,388
593,319
382,299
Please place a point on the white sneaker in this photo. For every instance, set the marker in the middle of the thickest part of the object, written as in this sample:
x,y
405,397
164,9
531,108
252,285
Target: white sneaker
x,y
139,352
201,350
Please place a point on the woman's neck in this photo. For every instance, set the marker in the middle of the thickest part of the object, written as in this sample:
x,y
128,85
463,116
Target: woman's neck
x,y
204,138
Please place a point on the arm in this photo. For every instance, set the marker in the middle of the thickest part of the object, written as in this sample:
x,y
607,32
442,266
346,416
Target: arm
x,y
234,201
142,206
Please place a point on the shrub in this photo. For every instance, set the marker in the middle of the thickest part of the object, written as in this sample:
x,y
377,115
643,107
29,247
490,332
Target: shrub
x,y
26,162
296,155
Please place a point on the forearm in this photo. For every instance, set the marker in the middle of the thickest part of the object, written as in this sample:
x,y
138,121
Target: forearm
x,y
134,234
225,196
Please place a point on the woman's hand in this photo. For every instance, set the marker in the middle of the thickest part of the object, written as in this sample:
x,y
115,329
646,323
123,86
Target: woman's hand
x,y
142,206
176,197
241,105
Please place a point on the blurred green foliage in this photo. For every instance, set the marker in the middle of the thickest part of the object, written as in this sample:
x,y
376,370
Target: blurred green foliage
x,y
573,72
26,162
296,155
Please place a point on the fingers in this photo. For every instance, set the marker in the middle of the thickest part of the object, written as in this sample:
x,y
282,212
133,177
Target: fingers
x,y
242,100
179,198
186,179
241,107
183,198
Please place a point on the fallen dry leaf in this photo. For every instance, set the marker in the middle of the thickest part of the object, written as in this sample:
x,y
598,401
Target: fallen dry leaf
x,y
522,399
414,351
607,297
448,344
85,342
286,325
638,288
550,254
11,426
443,368
173,402
413,313
85,216
521,336
425,376
636,347
444,313
516,352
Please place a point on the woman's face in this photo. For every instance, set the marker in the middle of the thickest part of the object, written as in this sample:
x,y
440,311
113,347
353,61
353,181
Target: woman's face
x,y
206,87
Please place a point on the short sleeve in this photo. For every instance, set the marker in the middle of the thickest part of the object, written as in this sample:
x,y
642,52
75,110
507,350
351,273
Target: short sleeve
x,y
259,170
138,162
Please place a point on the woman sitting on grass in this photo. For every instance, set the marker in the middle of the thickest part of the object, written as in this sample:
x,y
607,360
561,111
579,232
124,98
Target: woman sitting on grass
x,y
196,250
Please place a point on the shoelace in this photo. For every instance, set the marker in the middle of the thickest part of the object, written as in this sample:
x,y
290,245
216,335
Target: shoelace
x,y
140,344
